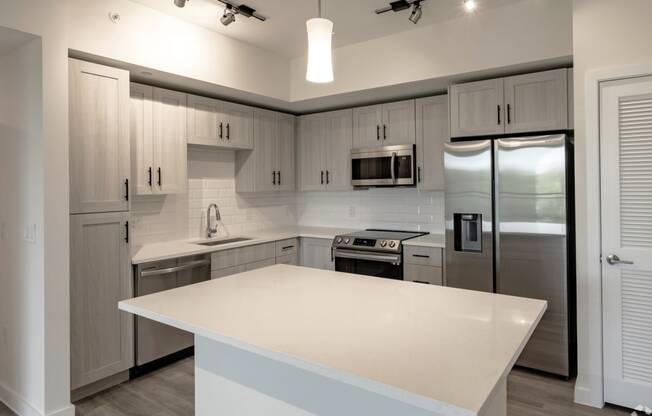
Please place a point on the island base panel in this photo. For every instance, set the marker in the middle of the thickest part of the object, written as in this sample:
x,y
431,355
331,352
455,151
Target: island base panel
x,y
233,381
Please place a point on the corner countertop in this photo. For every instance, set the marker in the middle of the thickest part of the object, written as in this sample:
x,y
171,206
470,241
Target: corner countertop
x,y
181,248
428,240
438,347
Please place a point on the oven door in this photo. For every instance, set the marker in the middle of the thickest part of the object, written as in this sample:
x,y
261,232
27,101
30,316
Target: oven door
x,y
383,166
368,263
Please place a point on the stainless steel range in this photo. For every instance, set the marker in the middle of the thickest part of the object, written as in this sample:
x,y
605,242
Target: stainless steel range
x,y
372,252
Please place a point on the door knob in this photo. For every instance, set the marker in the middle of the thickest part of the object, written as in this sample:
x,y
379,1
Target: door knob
x,y
614,259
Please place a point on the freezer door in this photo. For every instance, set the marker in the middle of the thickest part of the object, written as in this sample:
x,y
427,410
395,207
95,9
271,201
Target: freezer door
x,y
469,239
531,243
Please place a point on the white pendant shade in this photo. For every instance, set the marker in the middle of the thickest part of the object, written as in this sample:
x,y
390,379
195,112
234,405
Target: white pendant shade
x,y
320,60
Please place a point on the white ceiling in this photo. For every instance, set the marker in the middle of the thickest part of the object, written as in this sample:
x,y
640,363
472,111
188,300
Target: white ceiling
x,y
284,31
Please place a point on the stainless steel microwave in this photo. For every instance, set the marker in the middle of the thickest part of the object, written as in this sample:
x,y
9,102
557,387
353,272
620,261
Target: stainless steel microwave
x,y
383,166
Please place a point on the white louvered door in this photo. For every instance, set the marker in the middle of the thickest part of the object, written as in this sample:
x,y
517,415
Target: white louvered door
x,y
626,176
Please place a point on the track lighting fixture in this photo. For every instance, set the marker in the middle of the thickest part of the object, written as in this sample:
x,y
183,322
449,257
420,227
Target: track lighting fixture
x,y
470,5
400,5
180,3
228,17
230,11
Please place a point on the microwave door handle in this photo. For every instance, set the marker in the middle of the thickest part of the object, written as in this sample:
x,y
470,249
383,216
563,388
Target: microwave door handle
x,y
393,167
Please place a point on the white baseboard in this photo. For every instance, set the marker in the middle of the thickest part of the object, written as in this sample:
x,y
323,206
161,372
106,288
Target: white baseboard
x,y
22,407
17,403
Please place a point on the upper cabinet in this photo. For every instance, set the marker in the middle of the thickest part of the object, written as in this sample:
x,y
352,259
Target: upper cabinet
x,y
218,123
432,133
158,140
518,104
382,125
99,138
270,166
325,142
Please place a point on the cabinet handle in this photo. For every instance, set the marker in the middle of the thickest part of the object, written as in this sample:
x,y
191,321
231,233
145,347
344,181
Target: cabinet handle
x,y
286,248
221,130
328,180
384,132
421,281
273,177
228,131
509,113
322,177
149,174
419,174
423,256
279,177
160,178
377,132
127,189
498,114
126,231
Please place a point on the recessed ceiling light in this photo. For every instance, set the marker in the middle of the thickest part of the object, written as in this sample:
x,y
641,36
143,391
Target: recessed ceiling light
x,y
470,5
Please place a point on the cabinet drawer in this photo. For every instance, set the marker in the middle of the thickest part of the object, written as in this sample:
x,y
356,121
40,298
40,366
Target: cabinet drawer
x,y
292,259
216,274
426,256
242,255
285,247
423,274
260,264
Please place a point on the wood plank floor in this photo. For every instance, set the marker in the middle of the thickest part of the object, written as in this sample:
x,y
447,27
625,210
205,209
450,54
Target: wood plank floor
x,y
170,392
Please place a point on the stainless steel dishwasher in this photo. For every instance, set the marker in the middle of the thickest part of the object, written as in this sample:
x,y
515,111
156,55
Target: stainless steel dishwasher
x,y
155,340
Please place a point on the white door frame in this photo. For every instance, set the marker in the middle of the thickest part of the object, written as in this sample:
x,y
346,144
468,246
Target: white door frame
x,y
589,388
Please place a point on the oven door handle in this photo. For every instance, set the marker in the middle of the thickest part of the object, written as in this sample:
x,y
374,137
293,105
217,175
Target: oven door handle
x,y
395,259
393,167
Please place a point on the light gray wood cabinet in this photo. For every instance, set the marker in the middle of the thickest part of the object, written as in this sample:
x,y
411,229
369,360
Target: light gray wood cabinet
x,y
476,108
158,141
325,142
99,138
316,253
242,255
432,133
384,125
101,336
536,102
212,122
292,259
423,265
287,247
517,104
270,166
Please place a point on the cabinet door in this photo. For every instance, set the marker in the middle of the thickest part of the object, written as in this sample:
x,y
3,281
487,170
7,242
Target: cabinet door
x,y
338,142
477,109
265,147
286,154
311,175
99,138
204,118
316,253
537,102
432,133
423,274
169,121
101,336
367,126
142,145
238,126
398,123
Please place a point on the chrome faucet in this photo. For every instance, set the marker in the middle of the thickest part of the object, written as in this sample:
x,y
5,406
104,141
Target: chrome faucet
x,y
211,231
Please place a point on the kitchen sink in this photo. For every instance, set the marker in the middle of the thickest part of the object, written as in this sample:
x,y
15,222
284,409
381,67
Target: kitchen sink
x,y
222,242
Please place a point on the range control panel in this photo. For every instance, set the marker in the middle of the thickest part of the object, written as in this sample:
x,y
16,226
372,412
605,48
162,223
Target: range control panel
x,y
343,241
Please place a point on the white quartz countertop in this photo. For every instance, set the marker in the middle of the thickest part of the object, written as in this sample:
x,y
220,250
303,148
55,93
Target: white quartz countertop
x,y
437,347
428,240
180,248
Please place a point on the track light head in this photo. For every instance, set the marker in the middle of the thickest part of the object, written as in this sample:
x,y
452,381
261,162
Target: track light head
x,y
228,17
416,14
180,3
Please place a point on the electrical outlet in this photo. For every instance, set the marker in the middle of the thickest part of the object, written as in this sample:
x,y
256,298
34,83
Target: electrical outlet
x,y
29,233
351,211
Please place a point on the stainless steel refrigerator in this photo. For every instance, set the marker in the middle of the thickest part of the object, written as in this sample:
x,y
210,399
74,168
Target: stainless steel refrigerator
x,y
510,230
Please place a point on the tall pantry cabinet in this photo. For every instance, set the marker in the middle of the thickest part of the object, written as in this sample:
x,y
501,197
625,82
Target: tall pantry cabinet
x,y
101,337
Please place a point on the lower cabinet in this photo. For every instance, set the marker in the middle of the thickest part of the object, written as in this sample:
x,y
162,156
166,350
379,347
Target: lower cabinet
x,y
423,265
316,252
101,336
242,259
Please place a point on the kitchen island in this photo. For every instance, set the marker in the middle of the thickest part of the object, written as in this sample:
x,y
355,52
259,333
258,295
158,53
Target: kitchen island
x,y
294,341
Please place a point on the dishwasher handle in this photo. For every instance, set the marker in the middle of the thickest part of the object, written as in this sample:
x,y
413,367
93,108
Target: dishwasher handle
x,y
187,266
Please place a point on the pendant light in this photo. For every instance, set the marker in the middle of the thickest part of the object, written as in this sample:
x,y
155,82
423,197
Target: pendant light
x,y
320,55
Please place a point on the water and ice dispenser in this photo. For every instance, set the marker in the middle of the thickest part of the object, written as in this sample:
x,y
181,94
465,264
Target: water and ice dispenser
x,y
468,232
